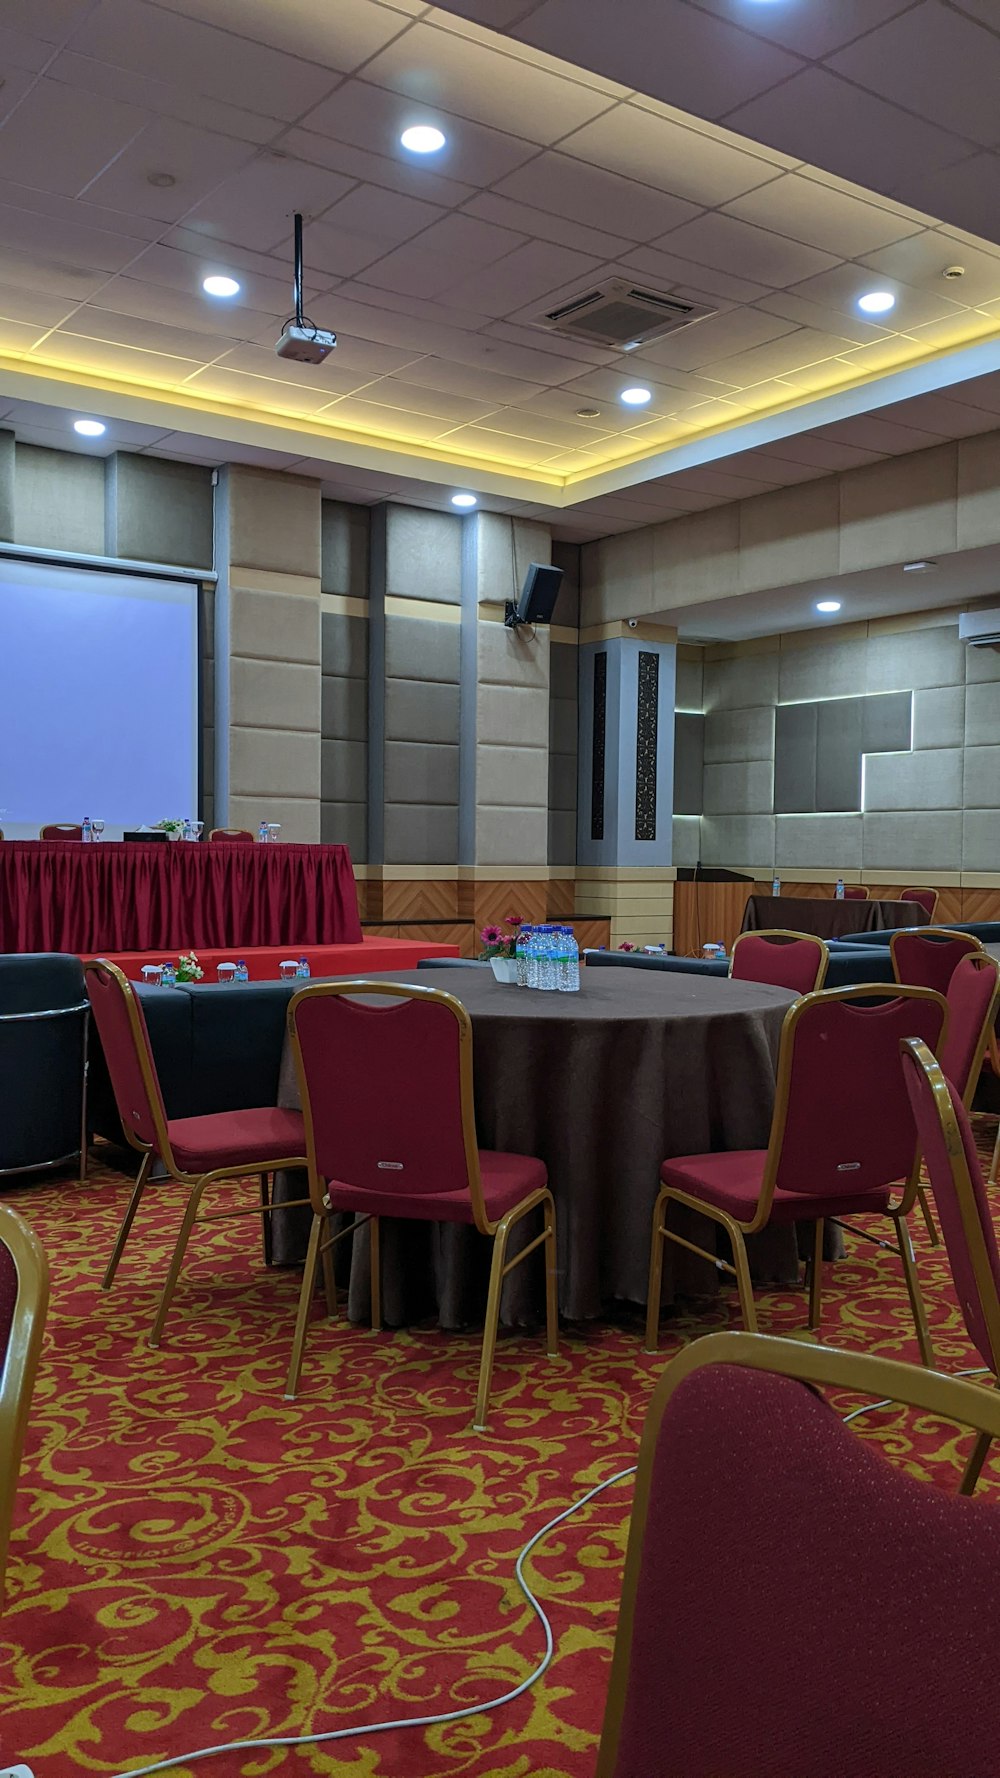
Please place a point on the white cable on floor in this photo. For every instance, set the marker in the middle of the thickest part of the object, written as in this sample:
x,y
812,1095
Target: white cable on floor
x,y
411,1722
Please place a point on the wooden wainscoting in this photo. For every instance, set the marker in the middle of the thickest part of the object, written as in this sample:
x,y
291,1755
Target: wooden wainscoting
x,y
709,913
488,903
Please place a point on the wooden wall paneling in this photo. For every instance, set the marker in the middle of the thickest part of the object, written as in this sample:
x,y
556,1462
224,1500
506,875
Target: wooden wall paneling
x,y
416,900
443,932
977,904
488,903
592,934
561,899
708,913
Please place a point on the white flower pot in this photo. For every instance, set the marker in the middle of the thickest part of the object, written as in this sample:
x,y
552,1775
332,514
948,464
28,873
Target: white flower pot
x,y
505,969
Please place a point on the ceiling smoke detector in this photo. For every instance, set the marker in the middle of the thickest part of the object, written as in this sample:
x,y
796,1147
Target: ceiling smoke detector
x,y
621,314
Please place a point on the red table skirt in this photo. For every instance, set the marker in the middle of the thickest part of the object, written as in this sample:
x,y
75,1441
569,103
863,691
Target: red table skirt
x,y
371,956
124,896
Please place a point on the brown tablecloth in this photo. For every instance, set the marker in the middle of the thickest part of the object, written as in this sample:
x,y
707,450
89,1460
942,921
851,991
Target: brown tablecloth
x,y
828,917
602,1085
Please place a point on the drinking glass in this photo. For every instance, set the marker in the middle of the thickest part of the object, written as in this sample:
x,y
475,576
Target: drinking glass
x,y
152,975
289,969
197,829
226,972
97,828
273,829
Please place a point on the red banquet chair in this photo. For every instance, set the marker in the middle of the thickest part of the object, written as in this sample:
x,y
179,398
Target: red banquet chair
x,y
855,892
842,1135
927,899
24,1297
793,1601
235,835
61,830
973,997
926,956
963,1205
794,960
390,1131
196,1151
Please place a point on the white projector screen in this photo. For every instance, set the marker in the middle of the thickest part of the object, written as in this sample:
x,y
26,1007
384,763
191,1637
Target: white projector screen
x,y
98,698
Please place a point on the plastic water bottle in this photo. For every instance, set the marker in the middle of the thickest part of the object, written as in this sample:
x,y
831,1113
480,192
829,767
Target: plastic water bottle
x,y
531,958
303,971
242,972
168,979
838,894
521,954
569,979
187,832
776,884
263,834
547,967
87,831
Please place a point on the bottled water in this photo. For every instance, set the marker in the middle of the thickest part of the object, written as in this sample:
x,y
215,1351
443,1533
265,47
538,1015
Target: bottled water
x,y
776,884
262,833
569,974
521,954
87,831
168,977
548,964
838,894
303,969
242,972
531,956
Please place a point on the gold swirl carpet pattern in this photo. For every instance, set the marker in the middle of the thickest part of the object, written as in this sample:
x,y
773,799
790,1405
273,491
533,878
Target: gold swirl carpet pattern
x,y
197,1560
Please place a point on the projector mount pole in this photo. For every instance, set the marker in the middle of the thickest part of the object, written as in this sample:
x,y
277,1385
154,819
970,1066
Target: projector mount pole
x,y
297,272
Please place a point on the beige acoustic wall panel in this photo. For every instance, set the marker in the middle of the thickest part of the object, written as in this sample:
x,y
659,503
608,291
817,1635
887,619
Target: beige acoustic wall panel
x,y
159,511
345,545
7,450
59,500
274,522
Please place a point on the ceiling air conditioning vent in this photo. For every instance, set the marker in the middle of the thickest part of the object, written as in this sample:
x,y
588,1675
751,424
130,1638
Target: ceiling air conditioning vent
x,y
980,629
618,313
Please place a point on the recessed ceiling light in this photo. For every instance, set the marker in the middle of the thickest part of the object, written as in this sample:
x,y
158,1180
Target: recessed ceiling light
x,y
633,346
828,606
918,567
423,138
218,285
877,302
463,500
163,180
636,397
89,428
587,413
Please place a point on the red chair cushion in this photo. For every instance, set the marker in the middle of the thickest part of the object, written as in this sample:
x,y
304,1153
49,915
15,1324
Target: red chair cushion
x,y
260,1135
506,1178
732,1181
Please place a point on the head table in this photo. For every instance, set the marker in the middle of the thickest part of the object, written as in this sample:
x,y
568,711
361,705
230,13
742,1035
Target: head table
x,y
127,896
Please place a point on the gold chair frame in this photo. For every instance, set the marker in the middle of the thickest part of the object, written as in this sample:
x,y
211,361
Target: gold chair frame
x,y
197,1183
858,892
937,932
824,1366
20,1365
737,1231
923,891
769,932
322,1242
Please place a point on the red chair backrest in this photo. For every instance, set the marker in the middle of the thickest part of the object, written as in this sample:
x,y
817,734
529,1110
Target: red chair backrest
x,y
234,835
8,1299
61,830
127,1051
928,957
843,1117
853,893
747,1651
924,898
382,1088
972,1003
784,962
960,1197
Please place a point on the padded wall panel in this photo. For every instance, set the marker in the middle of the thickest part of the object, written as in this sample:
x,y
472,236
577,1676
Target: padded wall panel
x,y
273,763
562,786
7,451
274,521
344,709
826,669
737,841
828,842
418,710
344,645
423,555
345,824
276,626
562,836
512,780
690,682
907,659
915,781
795,740
421,650
892,841
982,709
887,725
982,778
344,533
686,841
274,694
503,834
739,734
689,763
939,717
741,682
511,715
789,535
159,511
744,786
418,835
899,508
344,776
421,772
567,607
59,499
563,730
839,729
980,840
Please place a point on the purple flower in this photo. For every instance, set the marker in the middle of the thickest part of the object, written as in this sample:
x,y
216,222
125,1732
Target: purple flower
x,y
491,935
514,920
626,946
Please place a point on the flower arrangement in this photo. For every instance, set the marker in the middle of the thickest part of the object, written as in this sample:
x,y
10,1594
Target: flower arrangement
x,y
188,967
498,943
627,947
172,829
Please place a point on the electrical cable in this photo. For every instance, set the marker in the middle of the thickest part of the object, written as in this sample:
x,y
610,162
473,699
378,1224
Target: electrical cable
x,y
412,1722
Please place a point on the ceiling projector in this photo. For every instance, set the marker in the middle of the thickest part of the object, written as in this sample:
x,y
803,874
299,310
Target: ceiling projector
x,y
300,340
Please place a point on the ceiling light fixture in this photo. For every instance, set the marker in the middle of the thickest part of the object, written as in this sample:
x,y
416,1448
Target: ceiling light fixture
x,y
876,302
636,397
463,500
423,138
633,346
588,413
828,606
918,567
163,181
90,428
218,285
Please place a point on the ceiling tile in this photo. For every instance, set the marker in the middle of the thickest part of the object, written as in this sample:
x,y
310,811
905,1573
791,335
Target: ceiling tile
x,y
17,83
372,117
379,169
185,271
333,377
812,31
841,287
173,48
830,123
472,381
195,159
480,441
981,392
495,15
92,323
938,413
920,262
36,272
525,278
186,309
850,327
968,194
666,155
416,399
92,249
117,361
935,63
359,413
385,216
437,68
718,336
51,19
254,207
684,277
340,36
20,336
799,207
589,195
875,434
709,68
721,241
982,10
543,225
162,98
266,393
64,137
794,351
778,471
33,307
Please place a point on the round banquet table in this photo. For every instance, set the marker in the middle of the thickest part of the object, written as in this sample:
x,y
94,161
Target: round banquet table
x,y
602,1086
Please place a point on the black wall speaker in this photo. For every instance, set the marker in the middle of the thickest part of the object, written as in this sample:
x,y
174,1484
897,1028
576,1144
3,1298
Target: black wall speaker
x,y
538,597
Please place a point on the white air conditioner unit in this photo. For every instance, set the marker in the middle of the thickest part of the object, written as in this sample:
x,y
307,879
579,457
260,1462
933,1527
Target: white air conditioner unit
x,y
618,313
980,629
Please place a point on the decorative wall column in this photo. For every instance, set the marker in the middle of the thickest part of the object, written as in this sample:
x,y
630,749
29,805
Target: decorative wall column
x,y
267,629
504,768
625,784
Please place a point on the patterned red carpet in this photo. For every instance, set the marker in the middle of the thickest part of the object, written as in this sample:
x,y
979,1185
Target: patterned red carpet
x,y
197,1560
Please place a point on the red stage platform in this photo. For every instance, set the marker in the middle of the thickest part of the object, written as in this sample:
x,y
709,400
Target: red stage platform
x,y
371,956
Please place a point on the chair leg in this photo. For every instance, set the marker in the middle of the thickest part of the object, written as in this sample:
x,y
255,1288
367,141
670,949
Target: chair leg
x,y
923,1199
655,1274
180,1248
744,1284
551,1281
306,1294
995,1163
491,1326
139,1187
266,1244
914,1293
376,1270
816,1277
974,1467
329,1279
